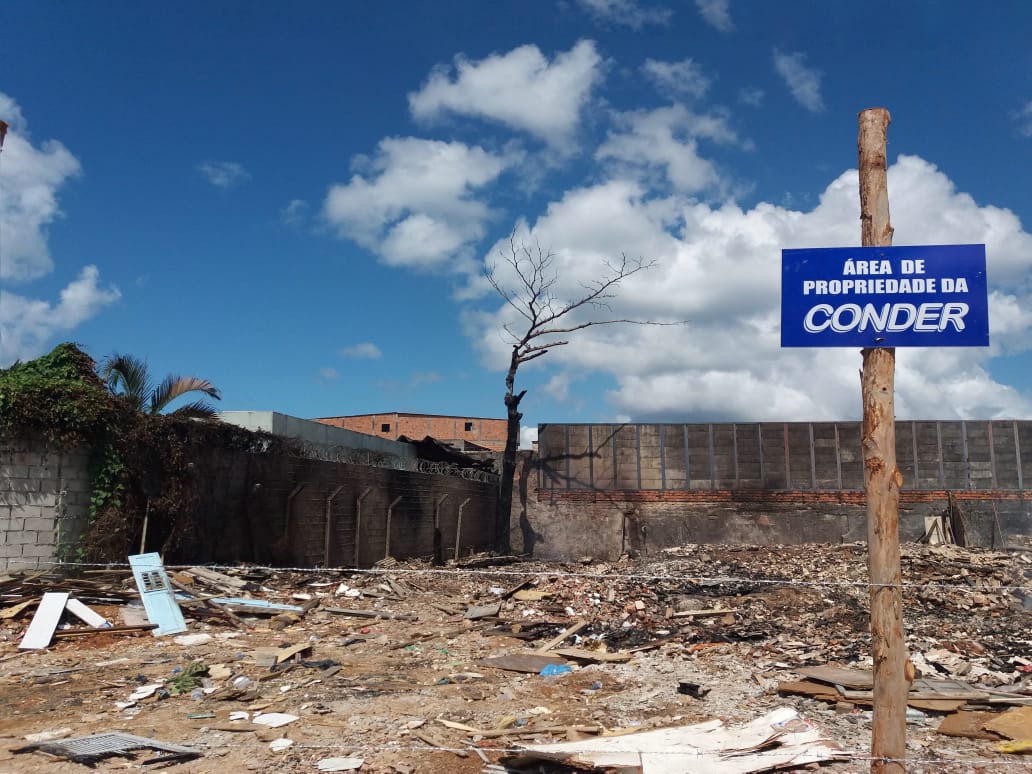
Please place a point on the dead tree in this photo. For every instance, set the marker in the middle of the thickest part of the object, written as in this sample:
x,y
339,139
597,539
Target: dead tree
x,y
546,320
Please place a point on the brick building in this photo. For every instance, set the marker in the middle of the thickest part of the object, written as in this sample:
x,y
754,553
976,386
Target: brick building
x,y
465,433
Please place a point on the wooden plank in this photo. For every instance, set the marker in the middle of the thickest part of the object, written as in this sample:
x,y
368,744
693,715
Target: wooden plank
x,y
599,656
371,614
849,678
568,632
13,610
970,725
44,623
61,633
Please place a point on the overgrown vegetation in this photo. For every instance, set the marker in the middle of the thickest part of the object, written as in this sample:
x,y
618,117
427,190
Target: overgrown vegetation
x,y
140,462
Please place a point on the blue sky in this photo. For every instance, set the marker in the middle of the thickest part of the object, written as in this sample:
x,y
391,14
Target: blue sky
x,y
298,203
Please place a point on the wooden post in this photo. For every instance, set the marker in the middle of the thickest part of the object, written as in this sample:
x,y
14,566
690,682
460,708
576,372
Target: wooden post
x,y
882,478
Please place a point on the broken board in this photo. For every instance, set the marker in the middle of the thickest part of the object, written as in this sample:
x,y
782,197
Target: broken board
x,y
44,623
970,725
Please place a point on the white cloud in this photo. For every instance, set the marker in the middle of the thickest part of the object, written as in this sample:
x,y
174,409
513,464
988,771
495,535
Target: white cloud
x,y
677,79
223,174
625,13
1023,117
719,269
751,96
666,140
295,213
528,436
520,89
365,350
27,324
327,375
716,13
803,82
416,205
30,178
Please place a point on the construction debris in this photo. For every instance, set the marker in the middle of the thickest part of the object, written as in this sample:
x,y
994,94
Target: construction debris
x,y
90,750
779,738
443,670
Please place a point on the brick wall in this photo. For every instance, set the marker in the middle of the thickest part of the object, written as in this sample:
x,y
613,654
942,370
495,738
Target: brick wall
x,y
489,433
44,502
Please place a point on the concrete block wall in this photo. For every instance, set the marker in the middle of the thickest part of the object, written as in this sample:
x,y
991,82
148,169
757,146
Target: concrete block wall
x,y
289,511
931,455
641,487
483,431
44,502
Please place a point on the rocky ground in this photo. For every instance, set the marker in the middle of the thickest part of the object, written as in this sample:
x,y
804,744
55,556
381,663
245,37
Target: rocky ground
x,y
413,693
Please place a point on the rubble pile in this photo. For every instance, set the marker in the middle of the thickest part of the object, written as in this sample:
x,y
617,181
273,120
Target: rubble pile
x,y
495,664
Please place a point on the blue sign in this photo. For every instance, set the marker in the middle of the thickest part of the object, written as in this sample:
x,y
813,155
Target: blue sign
x,y
924,296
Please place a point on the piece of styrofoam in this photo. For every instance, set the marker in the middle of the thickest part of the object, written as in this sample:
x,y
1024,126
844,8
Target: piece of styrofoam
x,y
85,613
44,623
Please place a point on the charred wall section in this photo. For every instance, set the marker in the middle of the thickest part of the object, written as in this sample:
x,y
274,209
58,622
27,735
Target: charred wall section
x,y
247,507
604,490
291,511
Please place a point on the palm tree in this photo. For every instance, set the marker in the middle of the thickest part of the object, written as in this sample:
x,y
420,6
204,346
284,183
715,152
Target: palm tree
x,y
127,376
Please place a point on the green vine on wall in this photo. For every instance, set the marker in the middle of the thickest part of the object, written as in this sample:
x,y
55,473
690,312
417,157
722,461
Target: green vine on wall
x,y
139,462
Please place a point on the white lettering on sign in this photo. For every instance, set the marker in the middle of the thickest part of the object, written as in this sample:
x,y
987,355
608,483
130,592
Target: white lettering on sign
x,y
851,267
876,286
892,318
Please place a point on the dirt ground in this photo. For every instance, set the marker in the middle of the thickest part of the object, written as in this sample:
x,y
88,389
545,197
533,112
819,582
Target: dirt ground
x,y
737,621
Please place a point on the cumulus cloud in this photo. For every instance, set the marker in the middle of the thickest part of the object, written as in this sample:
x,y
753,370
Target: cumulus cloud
x,y
625,13
521,89
365,350
415,204
223,174
32,177
677,80
665,140
804,83
718,268
716,13
27,324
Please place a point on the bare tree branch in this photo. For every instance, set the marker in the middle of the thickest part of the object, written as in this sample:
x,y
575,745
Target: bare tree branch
x,y
534,298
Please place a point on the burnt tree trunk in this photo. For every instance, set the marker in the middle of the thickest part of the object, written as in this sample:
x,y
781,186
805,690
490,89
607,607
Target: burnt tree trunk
x,y
503,512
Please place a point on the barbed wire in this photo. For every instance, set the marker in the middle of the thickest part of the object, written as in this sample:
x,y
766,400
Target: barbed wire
x,y
696,580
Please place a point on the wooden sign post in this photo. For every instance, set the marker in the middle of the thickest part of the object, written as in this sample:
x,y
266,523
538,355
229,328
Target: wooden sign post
x,y
882,478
